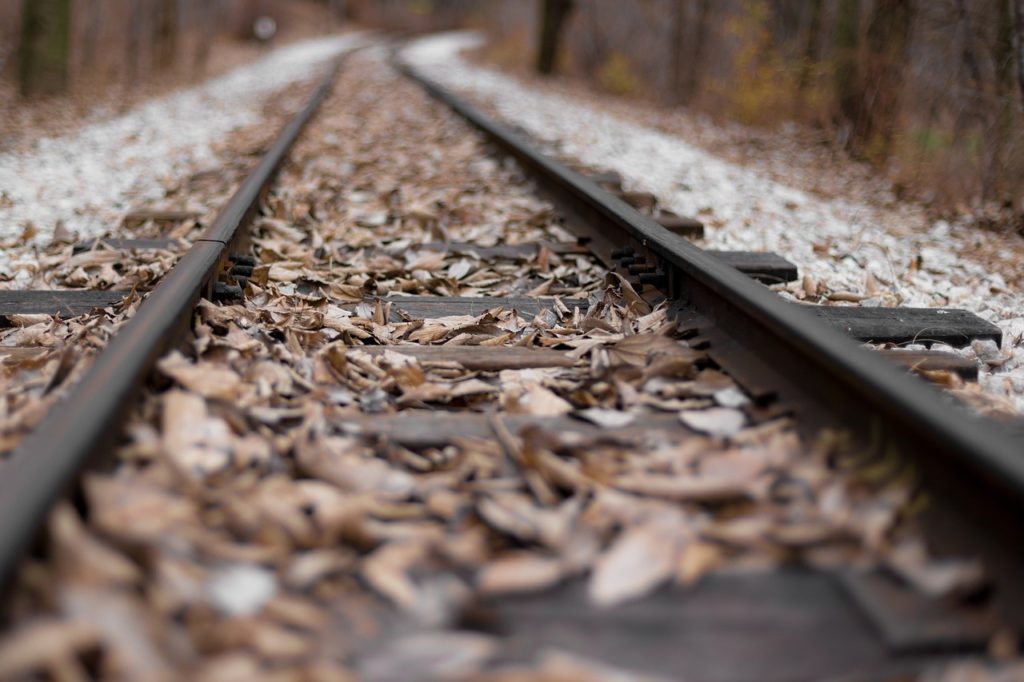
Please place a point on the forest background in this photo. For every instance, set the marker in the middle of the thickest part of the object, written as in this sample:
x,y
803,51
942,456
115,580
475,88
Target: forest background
x,y
931,93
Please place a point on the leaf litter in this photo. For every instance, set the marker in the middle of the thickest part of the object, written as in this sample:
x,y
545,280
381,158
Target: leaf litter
x,y
267,514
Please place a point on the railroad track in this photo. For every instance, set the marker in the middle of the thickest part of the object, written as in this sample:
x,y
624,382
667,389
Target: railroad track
x,y
403,419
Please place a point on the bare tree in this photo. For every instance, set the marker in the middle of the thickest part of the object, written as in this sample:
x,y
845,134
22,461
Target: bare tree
x,y
133,45
678,46
338,11
887,42
1018,42
554,15
45,46
812,47
1002,48
847,75
92,32
688,51
207,15
700,41
165,33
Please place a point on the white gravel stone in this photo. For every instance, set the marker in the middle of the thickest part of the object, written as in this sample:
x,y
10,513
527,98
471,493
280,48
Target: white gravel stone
x,y
241,589
836,241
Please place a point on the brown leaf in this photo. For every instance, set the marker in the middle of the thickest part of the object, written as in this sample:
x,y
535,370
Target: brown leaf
x,y
538,402
637,350
83,558
430,656
706,489
639,560
208,379
36,644
936,578
520,572
340,461
697,558
196,442
717,421
386,570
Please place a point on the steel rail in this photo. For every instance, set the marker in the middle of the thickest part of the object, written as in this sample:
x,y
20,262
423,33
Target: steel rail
x,y
85,423
967,461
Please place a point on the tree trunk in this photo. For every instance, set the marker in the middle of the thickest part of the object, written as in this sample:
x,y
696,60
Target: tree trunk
x,y
969,58
337,12
812,47
997,174
45,46
92,35
676,55
888,39
165,33
133,46
208,15
700,40
785,24
1002,49
971,109
847,72
1018,42
555,13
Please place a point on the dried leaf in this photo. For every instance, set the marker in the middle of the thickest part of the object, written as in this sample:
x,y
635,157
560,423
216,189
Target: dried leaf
x,y
719,421
607,419
386,571
433,656
197,443
207,379
639,560
936,578
522,572
538,402
36,644
705,489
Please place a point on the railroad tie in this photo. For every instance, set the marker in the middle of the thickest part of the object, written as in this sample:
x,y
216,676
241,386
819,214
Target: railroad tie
x,y
926,326
65,303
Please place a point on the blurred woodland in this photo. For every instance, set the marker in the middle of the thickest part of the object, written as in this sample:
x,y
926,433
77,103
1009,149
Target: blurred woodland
x,y
60,46
932,92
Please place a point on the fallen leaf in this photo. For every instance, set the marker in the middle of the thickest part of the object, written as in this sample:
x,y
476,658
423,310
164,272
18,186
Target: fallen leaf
x,y
638,349
936,578
521,572
205,378
607,419
538,402
705,489
386,571
33,646
196,442
429,656
717,421
639,560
